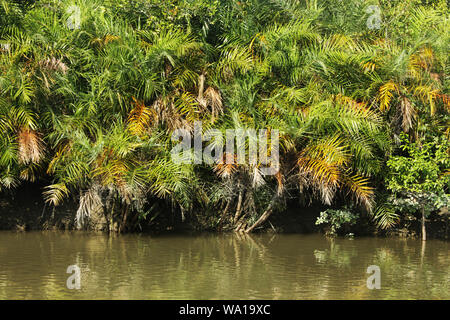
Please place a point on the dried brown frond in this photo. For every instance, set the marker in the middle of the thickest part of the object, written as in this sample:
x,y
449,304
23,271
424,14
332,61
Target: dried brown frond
x,y
434,76
90,203
31,146
408,113
445,99
167,113
280,182
54,64
214,100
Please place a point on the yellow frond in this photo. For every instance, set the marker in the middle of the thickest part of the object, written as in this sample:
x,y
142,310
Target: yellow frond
x,y
332,150
369,66
414,66
140,118
360,107
55,193
421,61
109,38
321,171
428,95
323,160
188,106
58,156
385,94
360,189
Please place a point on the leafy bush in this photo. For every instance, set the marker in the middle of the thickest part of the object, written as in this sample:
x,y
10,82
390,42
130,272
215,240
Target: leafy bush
x,y
419,178
337,220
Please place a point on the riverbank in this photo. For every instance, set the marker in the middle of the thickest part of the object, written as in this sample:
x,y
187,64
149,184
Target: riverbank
x,y
25,210
218,117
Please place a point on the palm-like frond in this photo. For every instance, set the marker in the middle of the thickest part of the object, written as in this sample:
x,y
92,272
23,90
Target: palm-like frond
x,y
55,193
31,146
428,95
408,113
323,160
386,93
140,118
385,217
360,188
227,166
235,59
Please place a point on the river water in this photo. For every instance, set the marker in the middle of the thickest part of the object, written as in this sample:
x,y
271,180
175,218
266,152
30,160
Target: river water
x,y
33,265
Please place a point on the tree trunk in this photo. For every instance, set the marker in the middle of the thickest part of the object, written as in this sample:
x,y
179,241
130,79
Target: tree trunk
x,y
241,224
422,253
424,231
201,86
263,217
224,213
239,206
182,214
239,227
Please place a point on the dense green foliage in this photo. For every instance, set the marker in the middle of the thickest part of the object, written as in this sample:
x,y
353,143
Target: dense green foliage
x,y
337,219
418,179
91,92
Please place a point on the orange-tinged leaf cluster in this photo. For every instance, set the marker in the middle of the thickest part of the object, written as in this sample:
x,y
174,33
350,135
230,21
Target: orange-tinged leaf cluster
x,y
31,146
140,118
227,166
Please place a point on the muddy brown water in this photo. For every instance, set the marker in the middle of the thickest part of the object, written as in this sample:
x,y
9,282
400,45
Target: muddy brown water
x,y
33,265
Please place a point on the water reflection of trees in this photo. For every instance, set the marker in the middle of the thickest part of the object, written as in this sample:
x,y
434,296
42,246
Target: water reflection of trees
x,y
220,267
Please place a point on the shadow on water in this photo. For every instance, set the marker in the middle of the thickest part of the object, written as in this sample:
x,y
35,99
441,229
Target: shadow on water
x,y
226,266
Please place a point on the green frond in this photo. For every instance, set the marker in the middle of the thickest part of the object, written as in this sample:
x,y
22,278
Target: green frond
x,y
385,217
55,193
